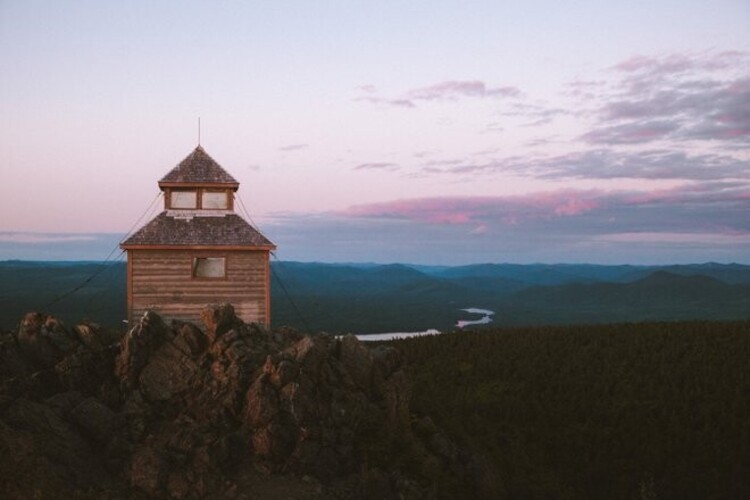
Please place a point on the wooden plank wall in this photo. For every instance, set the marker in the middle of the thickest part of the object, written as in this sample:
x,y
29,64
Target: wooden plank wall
x,y
162,280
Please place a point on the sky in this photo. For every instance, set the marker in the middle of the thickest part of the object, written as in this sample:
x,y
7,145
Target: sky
x,y
430,132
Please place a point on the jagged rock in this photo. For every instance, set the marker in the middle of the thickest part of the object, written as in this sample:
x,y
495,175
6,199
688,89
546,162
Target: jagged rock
x,y
168,373
89,334
64,402
148,470
192,337
43,339
57,453
218,320
262,403
183,414
15,370
138,346
357,360
96,421
90,372
284,373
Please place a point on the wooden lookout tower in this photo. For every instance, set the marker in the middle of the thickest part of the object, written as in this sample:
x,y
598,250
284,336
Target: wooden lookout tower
x,y
198,251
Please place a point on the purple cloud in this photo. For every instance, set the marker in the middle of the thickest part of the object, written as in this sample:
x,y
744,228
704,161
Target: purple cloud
x,y
670,64
536,114
450,90
377,166
294,147
630,133
677,97
607,164
453,89
399,103
586,89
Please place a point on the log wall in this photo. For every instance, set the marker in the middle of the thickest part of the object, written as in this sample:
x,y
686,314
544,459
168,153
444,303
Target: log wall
x,y
162,281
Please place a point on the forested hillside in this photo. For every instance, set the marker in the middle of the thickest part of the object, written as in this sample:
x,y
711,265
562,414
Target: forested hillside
x,y
654,410
72,291
368,298
400,298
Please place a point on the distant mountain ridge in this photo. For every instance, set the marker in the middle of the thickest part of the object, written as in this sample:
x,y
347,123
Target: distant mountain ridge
x,y
402,297
372,298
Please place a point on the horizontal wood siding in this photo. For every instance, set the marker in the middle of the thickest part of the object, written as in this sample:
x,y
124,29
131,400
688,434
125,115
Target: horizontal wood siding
x,y
162,280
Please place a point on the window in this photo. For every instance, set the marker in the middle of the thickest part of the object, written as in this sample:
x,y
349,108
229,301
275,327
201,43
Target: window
x,y
184,199
209,267
216,200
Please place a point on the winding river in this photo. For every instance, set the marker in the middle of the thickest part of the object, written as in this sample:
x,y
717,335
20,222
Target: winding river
x,y
486,318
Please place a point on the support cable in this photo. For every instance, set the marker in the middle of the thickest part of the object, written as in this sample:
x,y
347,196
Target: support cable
x,y
275,274
147,211
245,212
106,264
83,284
286,293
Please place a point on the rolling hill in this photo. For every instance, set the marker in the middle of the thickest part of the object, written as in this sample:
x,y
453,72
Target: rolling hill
x,y
370,298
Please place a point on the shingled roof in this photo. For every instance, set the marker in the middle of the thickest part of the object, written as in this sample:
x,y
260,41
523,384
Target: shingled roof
x,y
215,231
197,168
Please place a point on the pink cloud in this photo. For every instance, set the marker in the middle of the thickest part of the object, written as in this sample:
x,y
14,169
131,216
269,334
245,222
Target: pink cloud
x,y
449,218
679,63
376,166
466,88
672,63
444,91
400,103
509,210
575,206
293,147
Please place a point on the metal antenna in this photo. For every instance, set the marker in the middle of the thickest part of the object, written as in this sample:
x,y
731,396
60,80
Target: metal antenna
x,y
199,131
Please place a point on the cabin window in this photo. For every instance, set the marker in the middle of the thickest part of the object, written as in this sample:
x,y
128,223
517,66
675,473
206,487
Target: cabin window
x,y
209,267
214,200
184,199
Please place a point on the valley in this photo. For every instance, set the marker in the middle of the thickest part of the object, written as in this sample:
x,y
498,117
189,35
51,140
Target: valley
x,y
370,298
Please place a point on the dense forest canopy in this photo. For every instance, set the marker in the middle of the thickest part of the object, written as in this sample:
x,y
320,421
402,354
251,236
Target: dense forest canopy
x,y
653,410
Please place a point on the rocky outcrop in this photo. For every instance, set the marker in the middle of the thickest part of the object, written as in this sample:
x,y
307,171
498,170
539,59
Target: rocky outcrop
x,y
173,411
